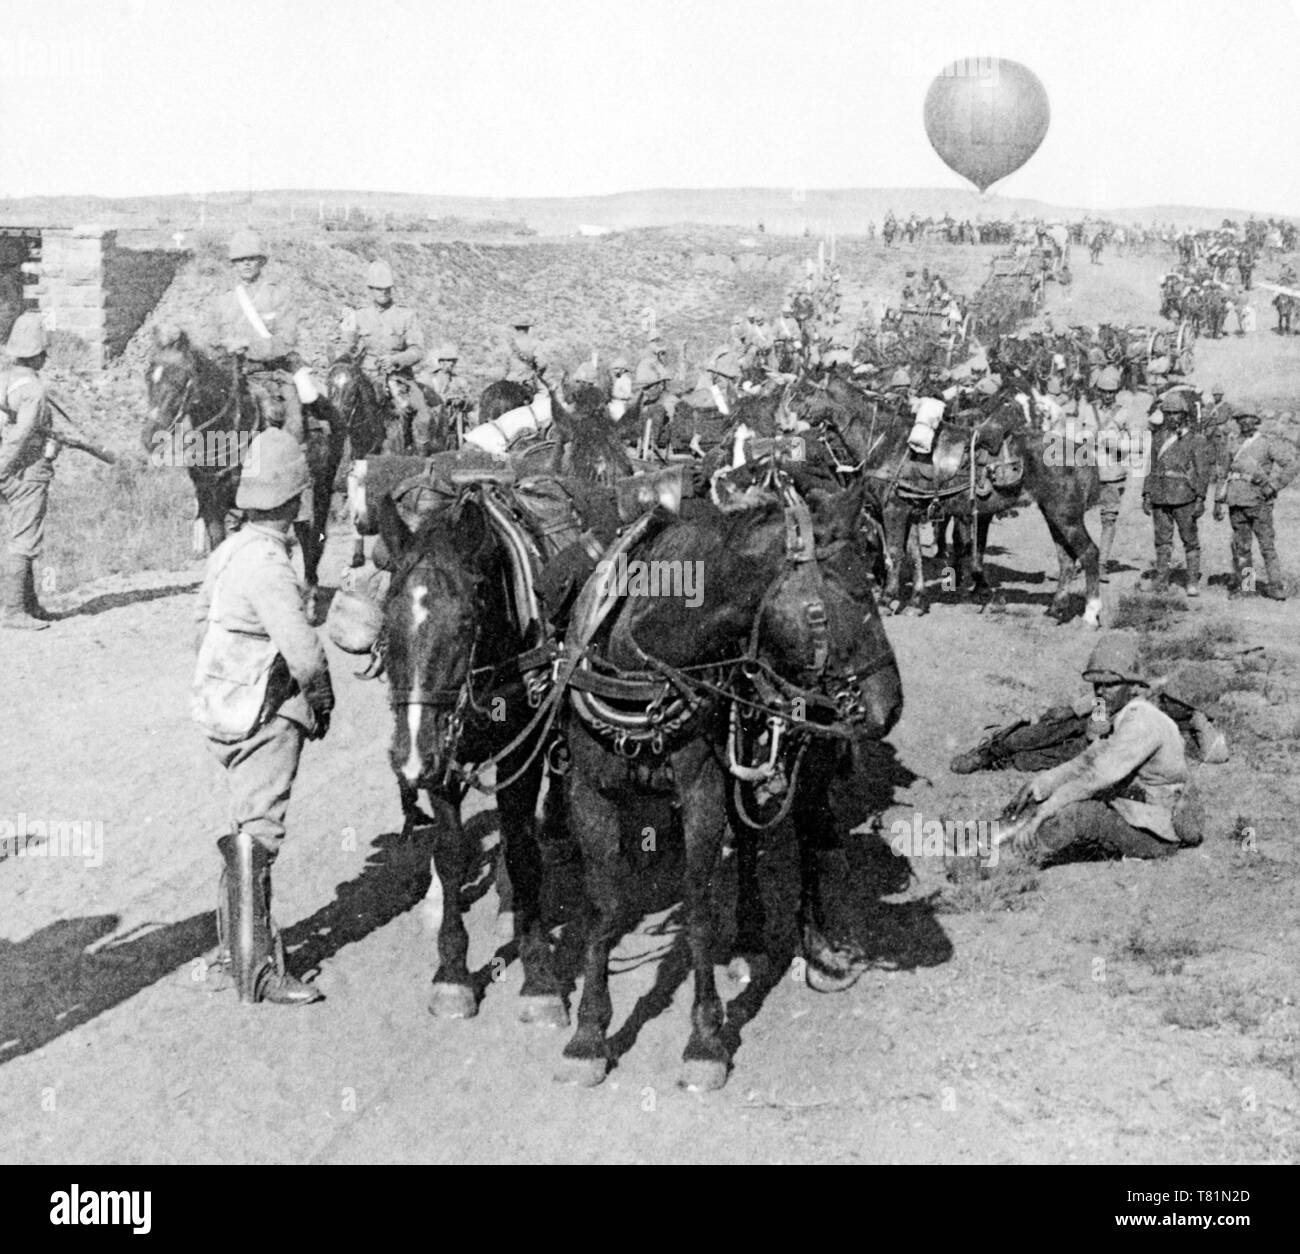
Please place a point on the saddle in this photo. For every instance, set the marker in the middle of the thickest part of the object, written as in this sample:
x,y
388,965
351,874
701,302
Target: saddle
x,y
948,470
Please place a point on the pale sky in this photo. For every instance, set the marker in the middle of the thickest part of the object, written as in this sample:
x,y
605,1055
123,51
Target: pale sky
x,y
1153,101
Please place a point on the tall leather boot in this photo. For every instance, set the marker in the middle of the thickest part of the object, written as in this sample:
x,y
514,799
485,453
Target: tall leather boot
x,y
30,602
245,927
13,597
1107,543
1276,584
1194,574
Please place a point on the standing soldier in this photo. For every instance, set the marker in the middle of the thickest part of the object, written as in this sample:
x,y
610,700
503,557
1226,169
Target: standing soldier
x,y
256,321
391,345
26,468
1175,487
1114,435
1215,428
1255,474
261,686
521,363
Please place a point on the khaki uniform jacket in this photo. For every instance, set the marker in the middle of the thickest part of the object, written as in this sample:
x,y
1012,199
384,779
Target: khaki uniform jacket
x,y
227,326
449,387
393,332
249,610
520,359
24,420
1143,757
1251,459
1115,439
1181,469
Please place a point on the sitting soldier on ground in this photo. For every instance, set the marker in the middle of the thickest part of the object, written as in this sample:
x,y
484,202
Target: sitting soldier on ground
x,y
1127,794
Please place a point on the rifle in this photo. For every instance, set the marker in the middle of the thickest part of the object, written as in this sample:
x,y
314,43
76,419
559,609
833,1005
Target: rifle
x,y
68,441
82,446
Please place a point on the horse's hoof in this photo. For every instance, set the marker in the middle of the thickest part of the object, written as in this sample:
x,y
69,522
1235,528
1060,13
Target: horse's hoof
x,y
891,607
545,1012
452,1001
505,929
585,1073
820,980
702,1075
358,560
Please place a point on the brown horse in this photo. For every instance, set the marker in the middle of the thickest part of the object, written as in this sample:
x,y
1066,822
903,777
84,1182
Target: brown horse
x,y
1063,487
202,416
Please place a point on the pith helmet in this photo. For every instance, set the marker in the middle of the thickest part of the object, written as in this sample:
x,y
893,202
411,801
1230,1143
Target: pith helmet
x,y
522,320
620,363
1108,380
1114,660
448,352
27,336
380,274
649,372
1217,390
246,243
275,471
900,378
1243,413
1173,403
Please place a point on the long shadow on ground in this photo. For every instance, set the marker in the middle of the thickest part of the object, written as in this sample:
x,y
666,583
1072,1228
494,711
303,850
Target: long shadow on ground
x,y
50,983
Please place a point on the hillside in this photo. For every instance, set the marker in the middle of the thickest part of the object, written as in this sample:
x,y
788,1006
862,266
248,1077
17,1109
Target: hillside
x,y
843,211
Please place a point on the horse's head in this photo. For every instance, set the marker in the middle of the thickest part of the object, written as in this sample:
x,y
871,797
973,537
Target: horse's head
x,y
444,615
351,396
170,382
819,627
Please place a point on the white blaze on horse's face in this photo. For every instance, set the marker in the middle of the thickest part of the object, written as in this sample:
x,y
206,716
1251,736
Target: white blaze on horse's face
x,y
415,709
157,374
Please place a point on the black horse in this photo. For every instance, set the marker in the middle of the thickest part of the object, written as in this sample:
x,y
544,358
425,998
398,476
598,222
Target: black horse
x,y
455,653
813,657
202,415
1060,481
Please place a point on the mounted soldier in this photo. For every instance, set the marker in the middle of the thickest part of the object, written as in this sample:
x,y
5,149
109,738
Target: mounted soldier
x,y
27,455
521,362
257,323
390,344
261,687
447,385
1254,473
1174,490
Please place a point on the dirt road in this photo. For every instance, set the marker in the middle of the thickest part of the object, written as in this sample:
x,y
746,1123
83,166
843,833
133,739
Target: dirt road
x,y
1122,1012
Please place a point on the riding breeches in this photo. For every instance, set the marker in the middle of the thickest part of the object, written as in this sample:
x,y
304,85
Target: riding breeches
x,y
27,494
260,771
1112,497
1183,517
1253,523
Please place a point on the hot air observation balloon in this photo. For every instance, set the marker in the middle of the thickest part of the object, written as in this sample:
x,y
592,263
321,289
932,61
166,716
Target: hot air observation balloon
x,y
985,117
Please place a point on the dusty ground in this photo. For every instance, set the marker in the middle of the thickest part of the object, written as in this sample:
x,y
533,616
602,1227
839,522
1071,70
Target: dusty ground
x,y
1124,1012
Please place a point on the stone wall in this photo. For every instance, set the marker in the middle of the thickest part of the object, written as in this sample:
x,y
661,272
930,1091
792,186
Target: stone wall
x,y
95,290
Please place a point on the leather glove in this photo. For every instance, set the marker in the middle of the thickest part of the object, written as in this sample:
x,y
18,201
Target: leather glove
x,y
1146,507
693,481
1218,511
320,697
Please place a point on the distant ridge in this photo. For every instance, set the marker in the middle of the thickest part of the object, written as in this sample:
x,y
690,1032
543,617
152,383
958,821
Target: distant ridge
x,y
784,211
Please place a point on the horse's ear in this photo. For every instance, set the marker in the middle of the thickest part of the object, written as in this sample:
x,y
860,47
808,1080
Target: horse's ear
x,y
395,534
